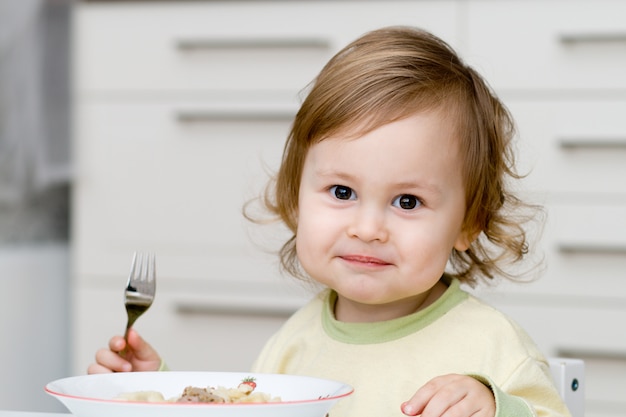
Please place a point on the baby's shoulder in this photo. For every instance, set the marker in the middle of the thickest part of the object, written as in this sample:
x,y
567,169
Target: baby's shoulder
x,y
492,321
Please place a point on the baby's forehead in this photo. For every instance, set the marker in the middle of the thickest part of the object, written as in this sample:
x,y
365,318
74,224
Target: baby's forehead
x,y
364,124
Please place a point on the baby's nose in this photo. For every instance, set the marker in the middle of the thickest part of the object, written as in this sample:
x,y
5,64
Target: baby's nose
x,y
369,224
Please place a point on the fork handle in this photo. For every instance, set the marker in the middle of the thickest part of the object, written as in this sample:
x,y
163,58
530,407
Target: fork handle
x,y
129,324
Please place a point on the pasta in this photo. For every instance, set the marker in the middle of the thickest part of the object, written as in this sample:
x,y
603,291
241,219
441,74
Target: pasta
x,y
243,393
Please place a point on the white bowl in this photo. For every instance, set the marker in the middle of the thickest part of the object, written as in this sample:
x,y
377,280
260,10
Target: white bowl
x,y
95,395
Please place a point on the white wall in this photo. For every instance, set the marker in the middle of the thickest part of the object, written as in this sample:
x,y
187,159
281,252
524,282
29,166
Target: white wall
x,y
34,311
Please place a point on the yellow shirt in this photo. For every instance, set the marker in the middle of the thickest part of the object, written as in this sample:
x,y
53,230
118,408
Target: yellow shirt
x,y
386,362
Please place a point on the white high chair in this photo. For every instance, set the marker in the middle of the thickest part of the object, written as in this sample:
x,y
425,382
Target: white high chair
x,y
569,377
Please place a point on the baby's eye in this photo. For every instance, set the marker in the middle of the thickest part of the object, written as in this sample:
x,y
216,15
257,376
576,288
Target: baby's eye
x,y
342,192
406,202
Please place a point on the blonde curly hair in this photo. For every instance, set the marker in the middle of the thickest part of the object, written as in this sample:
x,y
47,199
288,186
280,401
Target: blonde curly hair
x,y
387,75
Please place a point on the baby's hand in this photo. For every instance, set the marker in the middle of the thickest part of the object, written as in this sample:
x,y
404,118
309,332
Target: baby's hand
x,y
139,356
451,395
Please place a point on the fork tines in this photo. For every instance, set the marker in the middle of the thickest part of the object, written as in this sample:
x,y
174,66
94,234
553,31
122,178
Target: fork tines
x,y
142,275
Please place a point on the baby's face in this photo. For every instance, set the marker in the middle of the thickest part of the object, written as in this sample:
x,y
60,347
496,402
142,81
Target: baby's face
x,y
379,214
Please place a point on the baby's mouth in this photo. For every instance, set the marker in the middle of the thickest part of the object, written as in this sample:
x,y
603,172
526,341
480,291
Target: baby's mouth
x,y
365,260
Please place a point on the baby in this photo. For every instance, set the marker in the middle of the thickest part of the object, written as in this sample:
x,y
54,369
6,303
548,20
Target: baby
x,y
394,184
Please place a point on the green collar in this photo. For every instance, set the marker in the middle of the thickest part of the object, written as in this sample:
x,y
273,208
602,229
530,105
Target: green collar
x,y
385,331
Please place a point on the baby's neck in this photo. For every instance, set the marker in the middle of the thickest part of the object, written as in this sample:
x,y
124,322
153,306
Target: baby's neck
x,y
349,311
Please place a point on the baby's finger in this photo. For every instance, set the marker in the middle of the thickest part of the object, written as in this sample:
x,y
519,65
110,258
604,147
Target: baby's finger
x,y
142,350
139,346
111,360
96,368
434,398
420,399
117,343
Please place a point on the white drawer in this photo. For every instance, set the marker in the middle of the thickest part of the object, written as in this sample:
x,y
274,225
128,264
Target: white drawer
x,y
586,252
148,181
587,229
549,45
572,147
583,247
188,46
211,339
567,330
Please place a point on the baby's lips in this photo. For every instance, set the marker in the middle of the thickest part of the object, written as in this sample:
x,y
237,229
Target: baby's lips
x,y
365,259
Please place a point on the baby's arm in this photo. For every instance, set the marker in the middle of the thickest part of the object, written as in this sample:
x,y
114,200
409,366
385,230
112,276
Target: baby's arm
x,y
139,356
458,395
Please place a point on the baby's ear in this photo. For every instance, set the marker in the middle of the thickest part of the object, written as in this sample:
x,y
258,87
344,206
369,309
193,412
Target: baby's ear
x,y
465,239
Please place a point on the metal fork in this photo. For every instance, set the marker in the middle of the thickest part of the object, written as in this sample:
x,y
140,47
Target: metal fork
x,y
140,289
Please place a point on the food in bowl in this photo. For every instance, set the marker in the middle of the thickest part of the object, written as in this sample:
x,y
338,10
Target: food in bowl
x,y
243,393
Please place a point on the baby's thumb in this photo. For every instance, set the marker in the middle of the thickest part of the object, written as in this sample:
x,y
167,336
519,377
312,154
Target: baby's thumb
x,y
141,349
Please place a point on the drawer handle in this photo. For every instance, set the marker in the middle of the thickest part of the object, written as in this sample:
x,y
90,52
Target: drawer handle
x,y
586,143
198,116
235,307
591,354
592,38
194,44
591,249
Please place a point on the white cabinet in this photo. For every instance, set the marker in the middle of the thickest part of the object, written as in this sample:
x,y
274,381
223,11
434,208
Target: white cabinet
x,y
181,112
558,46
572,147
